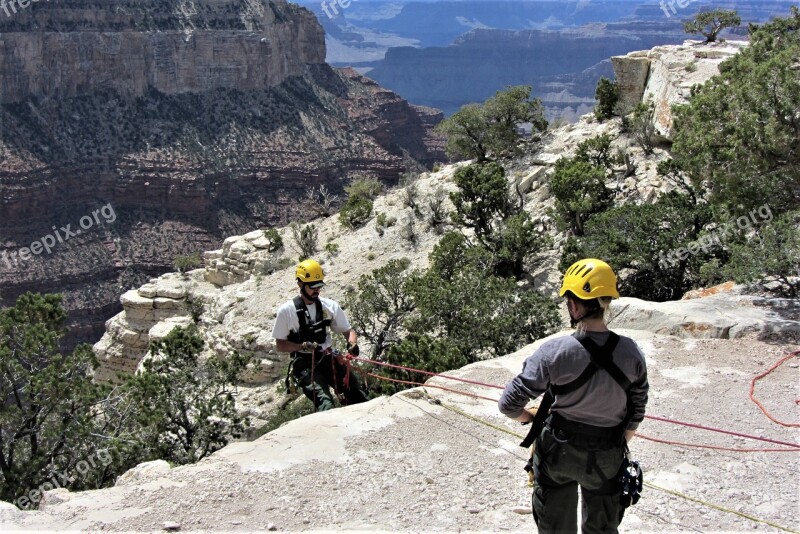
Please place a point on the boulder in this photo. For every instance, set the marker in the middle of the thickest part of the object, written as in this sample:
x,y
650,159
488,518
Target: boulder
x,y
146,472
717,316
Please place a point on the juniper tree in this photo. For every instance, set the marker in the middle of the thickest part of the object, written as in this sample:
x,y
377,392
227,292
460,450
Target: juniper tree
x,y
740,129
710,23
484,131
47,399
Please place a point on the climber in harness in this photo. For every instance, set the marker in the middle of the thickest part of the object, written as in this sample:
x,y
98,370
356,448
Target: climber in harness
x,y
302,328
594,392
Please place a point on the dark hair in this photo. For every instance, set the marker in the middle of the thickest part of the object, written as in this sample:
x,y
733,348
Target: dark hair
x,y
594,310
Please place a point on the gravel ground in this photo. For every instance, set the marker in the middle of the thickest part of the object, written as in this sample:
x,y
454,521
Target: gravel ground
x,y
423,467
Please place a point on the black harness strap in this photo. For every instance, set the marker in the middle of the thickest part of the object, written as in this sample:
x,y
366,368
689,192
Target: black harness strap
x,y
309,331
302,312
600,358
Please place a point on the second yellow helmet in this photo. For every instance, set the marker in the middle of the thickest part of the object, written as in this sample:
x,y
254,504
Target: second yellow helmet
x,y
310,272
590,278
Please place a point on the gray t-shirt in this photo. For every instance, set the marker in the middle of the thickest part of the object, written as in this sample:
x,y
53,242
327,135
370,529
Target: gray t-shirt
x,y
600,402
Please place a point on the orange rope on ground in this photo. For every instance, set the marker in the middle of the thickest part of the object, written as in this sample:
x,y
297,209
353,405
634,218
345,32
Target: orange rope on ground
x,y
762,375
428,386
793,447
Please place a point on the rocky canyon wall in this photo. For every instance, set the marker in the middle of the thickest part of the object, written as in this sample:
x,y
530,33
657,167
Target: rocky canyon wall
x,y
190,123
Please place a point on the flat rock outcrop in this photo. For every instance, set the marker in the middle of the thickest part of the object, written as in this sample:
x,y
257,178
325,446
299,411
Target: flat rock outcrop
x,y
725,316
665,75
422,460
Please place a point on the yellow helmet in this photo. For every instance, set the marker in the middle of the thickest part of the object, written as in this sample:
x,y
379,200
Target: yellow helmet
x,y
590,278
310,272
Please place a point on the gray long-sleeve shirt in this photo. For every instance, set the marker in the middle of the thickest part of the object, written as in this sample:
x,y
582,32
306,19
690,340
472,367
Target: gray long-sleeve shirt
x,y
599,402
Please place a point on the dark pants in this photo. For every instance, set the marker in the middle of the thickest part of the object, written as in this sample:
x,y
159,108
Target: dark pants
x,y
318,387
561,464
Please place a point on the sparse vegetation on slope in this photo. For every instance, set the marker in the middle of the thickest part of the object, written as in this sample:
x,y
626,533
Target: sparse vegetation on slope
x,y
60,429
485,131
735,169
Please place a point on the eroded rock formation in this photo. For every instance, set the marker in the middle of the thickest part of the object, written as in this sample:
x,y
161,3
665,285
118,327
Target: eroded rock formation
x,y
190,123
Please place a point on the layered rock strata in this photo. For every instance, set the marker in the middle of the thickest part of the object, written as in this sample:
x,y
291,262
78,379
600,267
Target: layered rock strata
x,y
191,122
665,76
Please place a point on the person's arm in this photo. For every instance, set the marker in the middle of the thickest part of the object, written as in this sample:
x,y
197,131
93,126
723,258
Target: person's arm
x,y
638,393
526,386
284,345
340,324
351,337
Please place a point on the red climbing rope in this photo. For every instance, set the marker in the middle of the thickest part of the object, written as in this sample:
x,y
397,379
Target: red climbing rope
x,y
713,447
793,446
762,375
712,429
385,364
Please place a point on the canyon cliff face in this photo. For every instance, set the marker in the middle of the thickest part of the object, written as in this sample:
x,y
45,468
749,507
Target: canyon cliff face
x,y
563,67
134,132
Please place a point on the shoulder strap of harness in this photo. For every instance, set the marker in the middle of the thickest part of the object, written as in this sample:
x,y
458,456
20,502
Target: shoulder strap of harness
x,y
601,358
302,312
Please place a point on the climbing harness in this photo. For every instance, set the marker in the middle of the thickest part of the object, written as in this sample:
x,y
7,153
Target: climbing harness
x,y
600,358
310,331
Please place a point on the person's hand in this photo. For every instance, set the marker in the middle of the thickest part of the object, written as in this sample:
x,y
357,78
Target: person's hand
x,y
352,349
309,345
629,435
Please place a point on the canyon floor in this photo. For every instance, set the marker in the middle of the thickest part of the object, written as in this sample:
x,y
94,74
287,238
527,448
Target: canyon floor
x,y
423,460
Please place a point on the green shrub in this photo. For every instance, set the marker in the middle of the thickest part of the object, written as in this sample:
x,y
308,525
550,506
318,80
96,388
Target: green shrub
x,y
274,238
195,306
607,95
710,23
367,187
332,248
483,203
771,254
580,191
597,151
355,212
478,131
379,305
642,127
306,238
650,244
185,263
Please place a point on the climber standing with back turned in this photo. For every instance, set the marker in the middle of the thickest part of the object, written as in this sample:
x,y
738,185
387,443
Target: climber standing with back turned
x,y
302,329
597,383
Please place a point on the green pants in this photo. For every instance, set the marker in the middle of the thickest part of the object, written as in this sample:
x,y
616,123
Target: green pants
x,y
561,464
327,375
